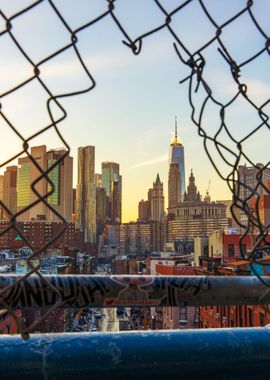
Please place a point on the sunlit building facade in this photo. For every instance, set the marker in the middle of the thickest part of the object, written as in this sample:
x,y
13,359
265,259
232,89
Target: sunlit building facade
x,y
138,238
112,183
61,175
28,172
110,173
157,200
86,193
194,217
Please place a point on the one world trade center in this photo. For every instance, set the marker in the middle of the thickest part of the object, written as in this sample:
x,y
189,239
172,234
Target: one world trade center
x,y
176,156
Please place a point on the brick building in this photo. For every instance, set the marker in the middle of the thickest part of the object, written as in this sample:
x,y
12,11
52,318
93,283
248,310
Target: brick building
x,y
236,316
226,245
39,233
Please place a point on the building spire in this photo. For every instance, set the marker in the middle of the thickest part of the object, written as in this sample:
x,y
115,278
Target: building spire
x,y
158,181
176,141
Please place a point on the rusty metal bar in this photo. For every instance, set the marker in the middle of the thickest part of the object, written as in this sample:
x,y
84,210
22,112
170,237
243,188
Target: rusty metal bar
x,y
193,354
111,291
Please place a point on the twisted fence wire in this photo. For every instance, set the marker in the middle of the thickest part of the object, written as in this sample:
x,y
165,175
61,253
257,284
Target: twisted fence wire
x,y
196,62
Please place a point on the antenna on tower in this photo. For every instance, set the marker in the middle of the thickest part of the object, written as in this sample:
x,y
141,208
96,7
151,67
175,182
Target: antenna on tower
x,y
175,133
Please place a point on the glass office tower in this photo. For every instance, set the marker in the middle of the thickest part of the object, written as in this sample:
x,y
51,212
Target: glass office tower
x,y
176,155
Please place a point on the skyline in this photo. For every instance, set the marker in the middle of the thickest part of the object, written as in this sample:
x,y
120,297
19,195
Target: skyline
x,y
129,115
146,186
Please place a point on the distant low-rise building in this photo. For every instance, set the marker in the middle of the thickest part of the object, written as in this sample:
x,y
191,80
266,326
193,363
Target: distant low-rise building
x,y
138,238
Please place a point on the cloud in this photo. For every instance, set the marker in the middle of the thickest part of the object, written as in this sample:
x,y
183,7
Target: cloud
x,y
109,60
255,88
156,160
258,90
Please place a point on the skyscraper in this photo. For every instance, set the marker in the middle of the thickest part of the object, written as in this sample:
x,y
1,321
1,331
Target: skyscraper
x,y
86,193
101,208
61,176
116,202
174,185
157,200
176,155
143,211
110,175
28,172
10,190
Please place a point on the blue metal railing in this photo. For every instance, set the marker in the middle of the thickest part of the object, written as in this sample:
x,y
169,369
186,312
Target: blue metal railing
x,y
194,354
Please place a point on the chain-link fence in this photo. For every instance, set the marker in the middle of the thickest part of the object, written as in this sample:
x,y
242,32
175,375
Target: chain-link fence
x,y
230,150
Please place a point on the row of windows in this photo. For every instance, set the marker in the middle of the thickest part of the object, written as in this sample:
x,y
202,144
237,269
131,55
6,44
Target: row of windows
x,y
223,313
231,249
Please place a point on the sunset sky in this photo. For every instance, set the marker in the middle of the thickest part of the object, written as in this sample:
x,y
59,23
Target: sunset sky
x,y
129,116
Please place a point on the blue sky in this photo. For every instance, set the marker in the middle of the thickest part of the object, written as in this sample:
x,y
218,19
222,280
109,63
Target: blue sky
x,y
129,116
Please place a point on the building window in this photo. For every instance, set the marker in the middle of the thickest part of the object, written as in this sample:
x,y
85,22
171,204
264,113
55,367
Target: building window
x,y
240,316
243,249
183,315
231,250
250,317
262,319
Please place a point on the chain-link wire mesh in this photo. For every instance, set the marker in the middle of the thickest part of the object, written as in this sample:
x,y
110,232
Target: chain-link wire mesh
x,y
229,150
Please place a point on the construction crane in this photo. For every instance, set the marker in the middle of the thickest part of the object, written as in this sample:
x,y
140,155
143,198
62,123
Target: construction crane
x,y
207,197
